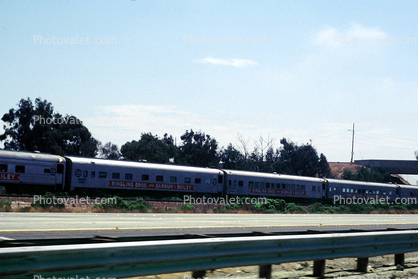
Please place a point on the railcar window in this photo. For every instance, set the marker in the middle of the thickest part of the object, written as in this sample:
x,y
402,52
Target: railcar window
x,y
302,187
377,192
3,167
47,170
197,180
20,169
298,187
293,186
208,181
267,185
250,183
159,178
145,177
115,175
187,179
128,176
93,174
173,178
85,173
257,184
283,186
262,185
390,193
240,183
102,174
367,191
314,188
230,182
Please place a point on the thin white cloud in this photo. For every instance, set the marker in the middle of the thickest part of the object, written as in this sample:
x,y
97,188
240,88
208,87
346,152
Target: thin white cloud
x,y
226,62
122,123
356,34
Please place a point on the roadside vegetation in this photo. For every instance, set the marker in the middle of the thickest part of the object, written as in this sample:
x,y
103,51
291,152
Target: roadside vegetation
x,y
51,203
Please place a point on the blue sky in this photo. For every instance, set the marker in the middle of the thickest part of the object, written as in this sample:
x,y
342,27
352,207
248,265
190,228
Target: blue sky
x,y
304,70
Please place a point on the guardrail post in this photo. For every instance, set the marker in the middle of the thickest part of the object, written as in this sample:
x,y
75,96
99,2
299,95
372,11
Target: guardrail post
x,y
400,259
198,274
265,271
362,264
319,268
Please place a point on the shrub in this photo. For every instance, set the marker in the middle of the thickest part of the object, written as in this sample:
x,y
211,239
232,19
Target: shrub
x,y
187,208
320,208
5,205
271,206
118,203
293,208
361,208
48,201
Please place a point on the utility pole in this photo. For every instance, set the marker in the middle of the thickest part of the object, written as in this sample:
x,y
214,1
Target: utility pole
x,y
352,146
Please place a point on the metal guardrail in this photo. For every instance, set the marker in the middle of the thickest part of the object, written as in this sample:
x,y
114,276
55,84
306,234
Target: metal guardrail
x,y
125,259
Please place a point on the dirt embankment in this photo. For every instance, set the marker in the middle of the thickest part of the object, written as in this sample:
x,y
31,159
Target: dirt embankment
x,y
338,168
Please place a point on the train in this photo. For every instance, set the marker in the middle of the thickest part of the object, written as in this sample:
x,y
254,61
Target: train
x,y
37,171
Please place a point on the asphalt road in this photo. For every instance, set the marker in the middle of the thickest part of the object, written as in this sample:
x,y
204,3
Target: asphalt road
x,y
23,221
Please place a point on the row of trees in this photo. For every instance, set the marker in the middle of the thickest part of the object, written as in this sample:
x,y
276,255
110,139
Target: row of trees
x,y
36,127
199,149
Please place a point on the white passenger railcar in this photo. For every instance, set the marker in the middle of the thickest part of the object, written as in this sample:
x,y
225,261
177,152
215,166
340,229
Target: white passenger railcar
x,y
19,169
28,170
116,174
372,190
272,185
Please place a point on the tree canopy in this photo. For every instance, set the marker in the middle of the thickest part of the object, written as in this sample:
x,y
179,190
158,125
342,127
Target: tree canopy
x,y
36,127
198,149
150,148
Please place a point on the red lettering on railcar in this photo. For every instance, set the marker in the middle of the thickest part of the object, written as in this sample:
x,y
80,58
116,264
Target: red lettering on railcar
x,y
9,176
143,185
278,192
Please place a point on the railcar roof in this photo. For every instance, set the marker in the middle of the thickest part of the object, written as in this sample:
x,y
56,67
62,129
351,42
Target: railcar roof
x,y
133,164
24,155
361,183
273,175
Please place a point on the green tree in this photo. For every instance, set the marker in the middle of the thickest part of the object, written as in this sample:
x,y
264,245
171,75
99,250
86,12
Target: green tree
x,y
198,149
150,148
232,159
109,151
35,127
324,169
301,160
368,174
